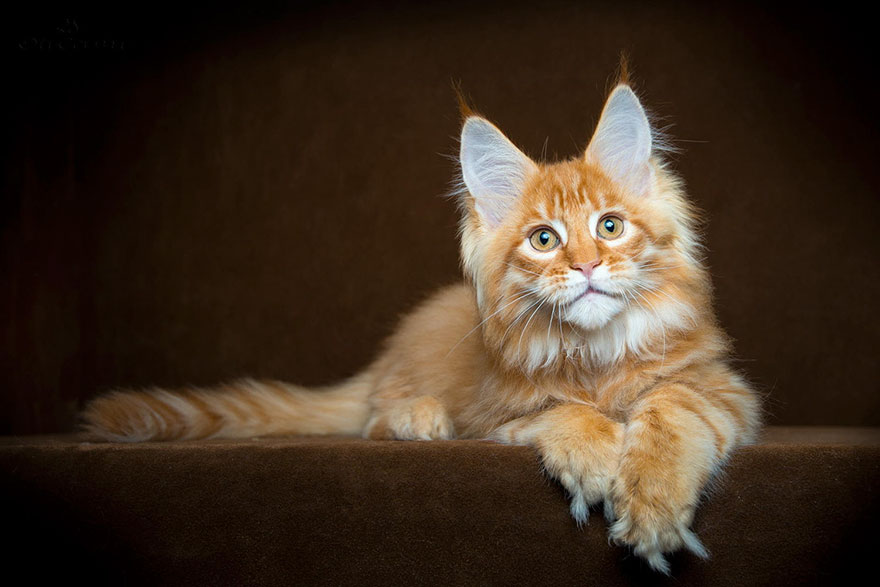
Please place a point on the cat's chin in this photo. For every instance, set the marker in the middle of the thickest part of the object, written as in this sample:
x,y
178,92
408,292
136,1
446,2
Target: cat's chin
x,y
593,311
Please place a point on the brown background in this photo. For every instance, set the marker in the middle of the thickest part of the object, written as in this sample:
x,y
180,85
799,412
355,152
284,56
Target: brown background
x,y
259,191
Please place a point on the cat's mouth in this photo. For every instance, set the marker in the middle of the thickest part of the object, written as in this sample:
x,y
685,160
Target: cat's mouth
x,y
592,291
589,295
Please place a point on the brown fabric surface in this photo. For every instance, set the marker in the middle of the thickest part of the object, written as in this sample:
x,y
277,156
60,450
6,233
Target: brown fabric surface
x,y
256,190
798,509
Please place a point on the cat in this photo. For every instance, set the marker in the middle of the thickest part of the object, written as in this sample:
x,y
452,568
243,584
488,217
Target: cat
x,y
584,329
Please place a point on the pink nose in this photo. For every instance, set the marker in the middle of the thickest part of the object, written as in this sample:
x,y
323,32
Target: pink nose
x,y
587,268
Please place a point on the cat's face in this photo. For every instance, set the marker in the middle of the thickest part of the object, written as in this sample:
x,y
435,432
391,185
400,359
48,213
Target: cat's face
x,y
596,243
578,244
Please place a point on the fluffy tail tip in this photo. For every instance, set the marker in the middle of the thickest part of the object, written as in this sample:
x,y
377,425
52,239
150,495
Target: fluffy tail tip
x,y
110,418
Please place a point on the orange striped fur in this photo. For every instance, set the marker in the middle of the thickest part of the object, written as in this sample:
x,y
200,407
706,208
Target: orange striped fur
x,y
603,353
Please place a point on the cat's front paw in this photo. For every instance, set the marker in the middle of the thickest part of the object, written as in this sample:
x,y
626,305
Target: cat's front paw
x,y
421,418
578,450
652,519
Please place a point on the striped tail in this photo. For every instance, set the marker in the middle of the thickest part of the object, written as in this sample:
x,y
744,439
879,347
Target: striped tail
x,y
243,409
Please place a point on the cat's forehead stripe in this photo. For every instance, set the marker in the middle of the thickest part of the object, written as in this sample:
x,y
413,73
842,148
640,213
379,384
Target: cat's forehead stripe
x,y
561,199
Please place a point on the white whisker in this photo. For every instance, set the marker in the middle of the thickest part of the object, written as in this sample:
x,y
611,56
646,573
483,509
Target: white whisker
x,y
518,298
526,327
662,326
517,319
523,269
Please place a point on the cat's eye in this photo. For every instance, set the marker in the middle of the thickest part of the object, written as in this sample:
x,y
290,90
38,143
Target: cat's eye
x,y
544,239
610,227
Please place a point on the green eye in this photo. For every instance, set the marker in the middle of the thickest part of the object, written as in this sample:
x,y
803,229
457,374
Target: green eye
x,y
544,239
610,227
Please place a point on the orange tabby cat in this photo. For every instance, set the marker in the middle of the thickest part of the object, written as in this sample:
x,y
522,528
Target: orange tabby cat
x,y
585,329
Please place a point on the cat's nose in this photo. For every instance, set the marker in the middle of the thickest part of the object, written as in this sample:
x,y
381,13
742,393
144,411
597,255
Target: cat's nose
x,y
586,268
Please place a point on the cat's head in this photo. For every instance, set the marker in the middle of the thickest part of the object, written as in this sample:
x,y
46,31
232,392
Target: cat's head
x,y
592,257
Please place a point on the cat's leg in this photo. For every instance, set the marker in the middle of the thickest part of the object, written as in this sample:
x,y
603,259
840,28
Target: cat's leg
x,y
418,418
676,439
579,446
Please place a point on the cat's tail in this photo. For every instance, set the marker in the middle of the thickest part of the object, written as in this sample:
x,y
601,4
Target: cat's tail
x,y
243,409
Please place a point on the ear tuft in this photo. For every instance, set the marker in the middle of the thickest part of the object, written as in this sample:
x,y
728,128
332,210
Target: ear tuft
x,y
623,75
493,169
464,107
621,145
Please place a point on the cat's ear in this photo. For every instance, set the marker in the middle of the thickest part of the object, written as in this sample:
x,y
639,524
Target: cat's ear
x,y
621,145
493,169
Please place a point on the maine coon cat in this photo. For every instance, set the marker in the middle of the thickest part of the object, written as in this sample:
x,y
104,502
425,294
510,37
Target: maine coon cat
x,y
584,329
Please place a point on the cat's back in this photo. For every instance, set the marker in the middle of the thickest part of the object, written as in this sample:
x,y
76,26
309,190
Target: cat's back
x,y
437,349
